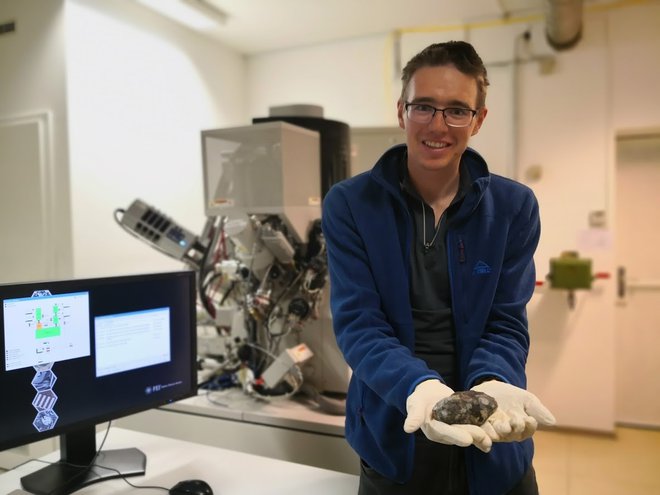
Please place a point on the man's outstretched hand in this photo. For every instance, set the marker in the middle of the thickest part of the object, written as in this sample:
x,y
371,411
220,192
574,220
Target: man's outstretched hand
x,y
420,407
518,413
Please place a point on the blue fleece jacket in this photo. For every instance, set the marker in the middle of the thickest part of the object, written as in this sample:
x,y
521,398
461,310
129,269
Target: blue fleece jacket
x,y
491,241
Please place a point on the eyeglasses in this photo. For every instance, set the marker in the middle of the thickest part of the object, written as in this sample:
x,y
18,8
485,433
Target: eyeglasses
x,y
453,116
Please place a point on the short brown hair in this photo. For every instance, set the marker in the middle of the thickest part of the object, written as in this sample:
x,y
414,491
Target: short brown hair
x,y
460,54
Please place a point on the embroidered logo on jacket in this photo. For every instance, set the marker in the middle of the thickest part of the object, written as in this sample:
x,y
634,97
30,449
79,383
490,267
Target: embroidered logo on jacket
x,y
481,268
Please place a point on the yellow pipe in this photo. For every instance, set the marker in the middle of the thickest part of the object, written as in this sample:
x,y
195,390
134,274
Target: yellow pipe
x,y
397,33
514,20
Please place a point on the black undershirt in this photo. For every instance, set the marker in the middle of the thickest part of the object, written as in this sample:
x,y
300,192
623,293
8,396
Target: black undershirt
x,y
430,292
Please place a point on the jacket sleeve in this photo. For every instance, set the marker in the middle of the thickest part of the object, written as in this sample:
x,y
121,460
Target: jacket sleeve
x,y
502,350
366,335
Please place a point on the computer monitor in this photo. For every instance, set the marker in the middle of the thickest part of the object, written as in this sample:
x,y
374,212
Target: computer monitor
x,y
77,353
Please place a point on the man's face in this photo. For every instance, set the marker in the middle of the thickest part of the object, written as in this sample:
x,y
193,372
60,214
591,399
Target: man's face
x,y
436,146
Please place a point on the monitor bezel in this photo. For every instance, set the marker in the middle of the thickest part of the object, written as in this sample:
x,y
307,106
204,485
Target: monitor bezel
x,y
157,401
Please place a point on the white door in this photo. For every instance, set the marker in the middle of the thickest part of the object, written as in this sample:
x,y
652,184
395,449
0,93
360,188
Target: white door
x,y
27,249
638,256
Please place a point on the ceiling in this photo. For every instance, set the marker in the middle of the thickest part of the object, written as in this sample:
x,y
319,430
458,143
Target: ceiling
x,y
254,26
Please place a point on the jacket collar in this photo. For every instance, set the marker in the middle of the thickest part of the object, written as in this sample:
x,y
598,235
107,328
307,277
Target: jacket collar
x,y
388,173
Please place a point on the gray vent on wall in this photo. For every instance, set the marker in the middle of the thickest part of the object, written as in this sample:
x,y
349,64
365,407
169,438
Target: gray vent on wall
x,y
7,27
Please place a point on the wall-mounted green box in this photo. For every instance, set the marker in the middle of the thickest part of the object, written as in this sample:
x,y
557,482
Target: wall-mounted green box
x,y
568,271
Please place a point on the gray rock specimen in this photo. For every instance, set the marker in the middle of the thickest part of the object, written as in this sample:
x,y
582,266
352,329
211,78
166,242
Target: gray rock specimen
x,y
467,408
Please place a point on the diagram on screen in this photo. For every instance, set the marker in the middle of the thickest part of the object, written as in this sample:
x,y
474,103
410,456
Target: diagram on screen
x,y
46,329
40,331
46,325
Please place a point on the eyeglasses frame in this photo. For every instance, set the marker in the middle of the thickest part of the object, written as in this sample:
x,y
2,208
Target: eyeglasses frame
x,y
407,105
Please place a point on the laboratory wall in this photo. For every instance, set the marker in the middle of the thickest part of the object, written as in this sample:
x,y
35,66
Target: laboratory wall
x,y
141,89
34,203
555,115
114,97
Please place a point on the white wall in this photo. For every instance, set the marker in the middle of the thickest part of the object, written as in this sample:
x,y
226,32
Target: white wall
x,y
326,76
565,129
32,83
140,91
128,94
358,82
565,122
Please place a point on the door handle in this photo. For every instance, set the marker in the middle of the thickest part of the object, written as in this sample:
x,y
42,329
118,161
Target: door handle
x,y
621,282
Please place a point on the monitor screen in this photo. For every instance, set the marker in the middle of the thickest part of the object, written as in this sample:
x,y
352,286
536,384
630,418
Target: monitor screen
x,y
81,352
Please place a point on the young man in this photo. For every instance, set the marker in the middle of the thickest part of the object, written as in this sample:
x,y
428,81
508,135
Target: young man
x,y
431,268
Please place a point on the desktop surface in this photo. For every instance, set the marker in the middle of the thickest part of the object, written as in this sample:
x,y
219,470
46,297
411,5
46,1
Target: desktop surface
x,y
227,472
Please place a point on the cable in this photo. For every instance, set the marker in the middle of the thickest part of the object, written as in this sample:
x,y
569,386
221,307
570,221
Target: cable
x,y
213,401
139,487
89,466
276,303
84,467
204,266
295,373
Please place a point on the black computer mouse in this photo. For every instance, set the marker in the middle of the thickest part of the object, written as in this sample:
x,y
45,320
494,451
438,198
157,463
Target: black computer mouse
x,y
191,487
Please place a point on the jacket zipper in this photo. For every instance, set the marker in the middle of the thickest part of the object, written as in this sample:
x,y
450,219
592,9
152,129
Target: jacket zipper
x,y
461,250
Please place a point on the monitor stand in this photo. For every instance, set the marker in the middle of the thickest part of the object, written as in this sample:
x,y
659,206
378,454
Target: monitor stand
x,y
75,469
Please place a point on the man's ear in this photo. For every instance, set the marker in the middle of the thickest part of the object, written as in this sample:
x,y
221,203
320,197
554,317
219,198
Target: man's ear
x,y
400,110
479,119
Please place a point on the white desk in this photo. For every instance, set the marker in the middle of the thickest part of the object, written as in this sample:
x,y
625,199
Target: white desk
x,y
228,472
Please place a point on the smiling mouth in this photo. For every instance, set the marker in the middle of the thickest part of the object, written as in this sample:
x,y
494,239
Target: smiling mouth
x,y
435,144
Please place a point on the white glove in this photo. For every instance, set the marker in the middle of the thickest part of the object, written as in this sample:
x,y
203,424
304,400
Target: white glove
x,y
518,412
420,406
